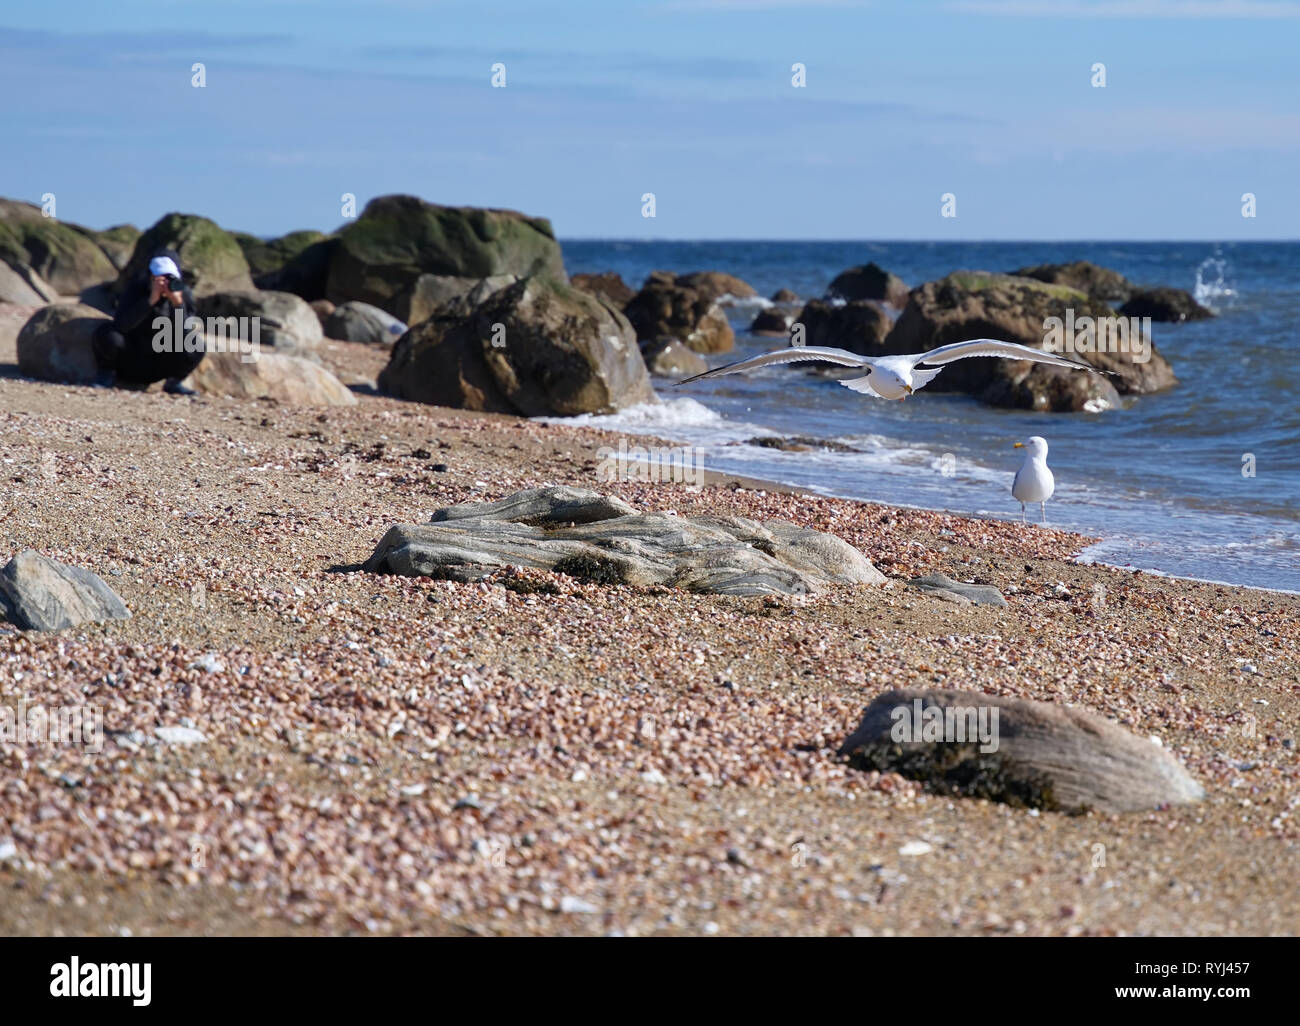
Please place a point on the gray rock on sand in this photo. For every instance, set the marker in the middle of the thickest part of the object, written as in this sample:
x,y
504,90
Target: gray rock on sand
x,y
1048,756
285,322
56,344
601,539
22,286
41,594
290,380
953,591
360,322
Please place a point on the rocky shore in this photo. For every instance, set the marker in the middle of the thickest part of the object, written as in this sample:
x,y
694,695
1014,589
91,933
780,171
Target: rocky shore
x,y
479,313
295,744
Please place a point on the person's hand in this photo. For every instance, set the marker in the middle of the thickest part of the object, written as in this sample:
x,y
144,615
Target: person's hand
x,y
176,298
157,288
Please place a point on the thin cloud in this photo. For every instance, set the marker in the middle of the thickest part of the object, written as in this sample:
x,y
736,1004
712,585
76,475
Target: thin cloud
x,y
1181,9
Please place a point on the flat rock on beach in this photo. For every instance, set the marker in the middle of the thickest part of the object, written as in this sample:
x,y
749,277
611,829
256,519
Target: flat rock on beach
x,y
1043,755
592,537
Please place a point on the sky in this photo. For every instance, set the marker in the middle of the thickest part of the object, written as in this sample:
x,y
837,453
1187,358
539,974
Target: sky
x,y
604,101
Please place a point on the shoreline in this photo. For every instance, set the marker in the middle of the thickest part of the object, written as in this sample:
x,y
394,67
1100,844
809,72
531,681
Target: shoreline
x,y
402,755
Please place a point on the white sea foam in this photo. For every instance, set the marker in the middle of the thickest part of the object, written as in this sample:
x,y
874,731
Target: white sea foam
x,y
1212,285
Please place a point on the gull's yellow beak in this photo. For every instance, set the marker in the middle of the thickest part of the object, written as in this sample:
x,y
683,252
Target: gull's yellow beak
x,y
1018,445
909,389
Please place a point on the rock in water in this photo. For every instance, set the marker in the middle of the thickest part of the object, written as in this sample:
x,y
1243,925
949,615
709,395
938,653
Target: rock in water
x,y
210,257
665,308
668,358
608,286
981,304
56,344
869,281
1043,755
603,540
1165,304
286,379
1099,283
360,322
944,586
859,326
40,594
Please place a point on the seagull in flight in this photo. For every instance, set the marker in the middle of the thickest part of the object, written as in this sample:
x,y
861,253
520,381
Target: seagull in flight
x,y
896,377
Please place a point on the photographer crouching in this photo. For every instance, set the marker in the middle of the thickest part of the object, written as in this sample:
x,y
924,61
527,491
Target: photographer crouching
x,y
132,348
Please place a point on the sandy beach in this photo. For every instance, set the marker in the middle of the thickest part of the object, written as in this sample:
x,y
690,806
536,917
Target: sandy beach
x,y
536,755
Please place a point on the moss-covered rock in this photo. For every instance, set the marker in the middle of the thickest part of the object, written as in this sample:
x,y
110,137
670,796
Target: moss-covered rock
x,y
65,256
210,257
397,239
266,256
538,347
982,304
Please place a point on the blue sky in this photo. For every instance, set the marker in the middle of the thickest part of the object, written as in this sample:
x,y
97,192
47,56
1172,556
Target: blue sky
x,y
990,100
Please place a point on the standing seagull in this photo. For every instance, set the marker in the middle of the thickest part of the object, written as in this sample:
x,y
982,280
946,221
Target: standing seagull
x,y
896,377
1033,481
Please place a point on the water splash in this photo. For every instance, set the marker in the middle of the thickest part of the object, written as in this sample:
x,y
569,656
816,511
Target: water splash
x,y
1213,289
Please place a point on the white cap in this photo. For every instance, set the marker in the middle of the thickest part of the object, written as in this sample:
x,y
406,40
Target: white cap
x,y
164,265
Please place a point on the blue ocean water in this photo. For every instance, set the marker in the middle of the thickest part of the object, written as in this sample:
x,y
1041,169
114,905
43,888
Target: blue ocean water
x,y
1160,481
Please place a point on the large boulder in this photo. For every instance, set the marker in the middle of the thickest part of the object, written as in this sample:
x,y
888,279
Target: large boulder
x,y
1099,283
267,256
56,344
869,281
1165,304
285,322
361,322
440,361
982,304
608,286
211,259
42,594
381,255
63,255
433,293
290,380
538,347
859,326
1034,754
664,309
117,242
23,286
306,274
603,540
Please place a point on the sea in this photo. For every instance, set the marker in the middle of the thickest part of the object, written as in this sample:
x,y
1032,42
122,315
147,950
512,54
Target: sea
x,y
1201,481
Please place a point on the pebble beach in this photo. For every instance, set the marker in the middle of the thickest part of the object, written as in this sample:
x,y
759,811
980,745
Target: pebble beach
x,y
532,754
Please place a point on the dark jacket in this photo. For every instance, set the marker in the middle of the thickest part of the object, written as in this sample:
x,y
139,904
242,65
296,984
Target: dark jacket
x,y
135,315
